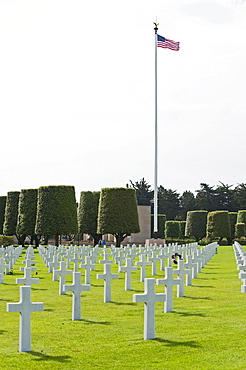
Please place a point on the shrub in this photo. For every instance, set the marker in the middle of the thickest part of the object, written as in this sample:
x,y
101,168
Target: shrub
x,y
218,225
2,212
196,222
117,213
240,230
241,217
11,213
88,213
56,211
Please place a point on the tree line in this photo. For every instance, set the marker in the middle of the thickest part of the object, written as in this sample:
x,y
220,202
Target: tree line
x,y
209,198
52,211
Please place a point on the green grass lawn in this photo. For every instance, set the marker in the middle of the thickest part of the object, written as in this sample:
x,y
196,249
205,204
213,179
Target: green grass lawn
x,y
206,329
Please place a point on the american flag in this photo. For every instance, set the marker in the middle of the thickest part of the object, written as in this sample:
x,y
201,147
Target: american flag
x,y
162,42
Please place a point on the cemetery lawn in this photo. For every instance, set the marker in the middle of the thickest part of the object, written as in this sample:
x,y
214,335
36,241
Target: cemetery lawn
x,y
206,329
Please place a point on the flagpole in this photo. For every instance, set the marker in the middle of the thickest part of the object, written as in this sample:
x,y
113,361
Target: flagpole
x,y
156,141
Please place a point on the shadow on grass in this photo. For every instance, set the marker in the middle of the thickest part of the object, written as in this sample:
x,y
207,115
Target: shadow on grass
x,y
49,309
209,299
96,322
42,357
2,331
172,343
39,288
123,304
97,286
189,314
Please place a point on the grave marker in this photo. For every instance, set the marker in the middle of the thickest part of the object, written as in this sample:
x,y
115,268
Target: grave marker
x,y
25,307
149,298
76,288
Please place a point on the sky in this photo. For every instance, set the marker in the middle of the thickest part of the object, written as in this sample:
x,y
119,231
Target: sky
x,y
77,93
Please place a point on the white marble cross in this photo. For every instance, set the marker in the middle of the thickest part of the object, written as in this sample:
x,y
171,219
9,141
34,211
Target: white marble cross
x,y
181,272
149,298
76,259
168,281
62,272
128,268
107,276
154,258
28,263
54,264
189,266
25,307
143,263
27,280
88,266
2,267
76,288
105,257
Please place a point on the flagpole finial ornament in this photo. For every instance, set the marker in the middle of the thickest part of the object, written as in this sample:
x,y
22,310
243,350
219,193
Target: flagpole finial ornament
x,y
156,26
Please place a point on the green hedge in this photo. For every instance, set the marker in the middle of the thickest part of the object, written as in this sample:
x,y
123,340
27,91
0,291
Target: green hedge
x,y
11,213
196,222
56,211
233,221
218,225
240,230
2,212
117,213
27,211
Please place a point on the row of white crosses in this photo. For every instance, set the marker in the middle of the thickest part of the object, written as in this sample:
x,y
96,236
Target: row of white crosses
x,y
8,257
149,297
25,306
240,256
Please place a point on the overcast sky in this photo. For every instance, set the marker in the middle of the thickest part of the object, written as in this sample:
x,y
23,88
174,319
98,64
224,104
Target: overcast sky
x,y
77,93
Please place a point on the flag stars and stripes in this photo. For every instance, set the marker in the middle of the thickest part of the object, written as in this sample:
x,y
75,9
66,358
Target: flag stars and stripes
x,y
165,43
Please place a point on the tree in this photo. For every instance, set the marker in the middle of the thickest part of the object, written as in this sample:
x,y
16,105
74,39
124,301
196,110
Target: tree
x,y
56,211
205,198
143,192
27,211
196,222
88,213
218,225
224,197
11,213
187,203
169,203
2,212
240,196
117,213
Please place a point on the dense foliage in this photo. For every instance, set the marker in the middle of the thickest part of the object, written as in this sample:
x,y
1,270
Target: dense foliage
x,y
218,225
196,224
11,213
2,212
56,211
117,213
209,198
88,213
172,229
27,211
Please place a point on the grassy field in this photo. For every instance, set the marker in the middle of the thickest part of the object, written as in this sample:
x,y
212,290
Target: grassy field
x,y
206,329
